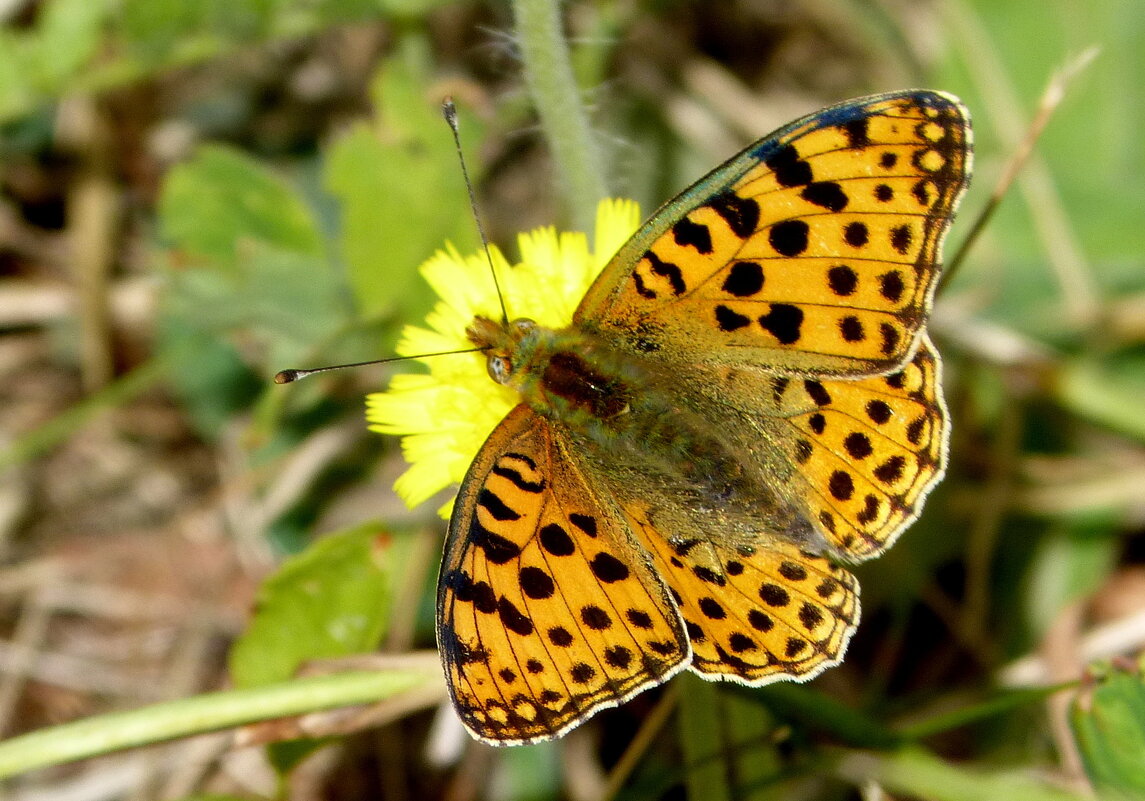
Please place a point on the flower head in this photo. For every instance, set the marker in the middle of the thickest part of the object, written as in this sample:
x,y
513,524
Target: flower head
x,y
444,416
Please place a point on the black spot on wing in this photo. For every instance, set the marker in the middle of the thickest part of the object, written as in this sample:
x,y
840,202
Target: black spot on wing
x,y
891,470
729,320
608,568
618,656
467,591
826,194
818,392
792,571
582,673
595,618
556,541
496,548
870,511
841,485
536,583
878,411
858,445
856,132
783,322
915,429
639,618
641,289
890,338
491,502
740,213
688,233
921,192
712,609
901,237
789,238
512,618
744,279
843,280
516,479
891,286
560,637
708,575
851,329
789,168
667,270
585,523
827,520
856,234
774,595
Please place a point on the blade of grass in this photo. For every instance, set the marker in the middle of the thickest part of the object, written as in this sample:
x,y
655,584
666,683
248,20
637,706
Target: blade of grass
x,y
63,425
201,714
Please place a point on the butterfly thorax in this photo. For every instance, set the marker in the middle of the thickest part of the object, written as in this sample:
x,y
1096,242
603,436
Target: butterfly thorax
x,y
634,422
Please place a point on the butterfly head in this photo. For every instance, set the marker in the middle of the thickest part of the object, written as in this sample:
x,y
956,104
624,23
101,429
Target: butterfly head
x,y
502,343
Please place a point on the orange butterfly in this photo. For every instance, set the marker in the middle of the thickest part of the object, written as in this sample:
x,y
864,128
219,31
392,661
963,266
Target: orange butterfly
x,y
745,399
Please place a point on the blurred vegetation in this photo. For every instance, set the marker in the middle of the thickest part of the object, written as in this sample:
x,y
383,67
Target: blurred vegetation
x,y
195,195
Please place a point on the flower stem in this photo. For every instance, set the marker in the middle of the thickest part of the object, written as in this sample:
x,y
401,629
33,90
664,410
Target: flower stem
x,y
549,75
200,714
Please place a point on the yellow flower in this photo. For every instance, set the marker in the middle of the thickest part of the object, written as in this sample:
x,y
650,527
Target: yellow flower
x,y
445,416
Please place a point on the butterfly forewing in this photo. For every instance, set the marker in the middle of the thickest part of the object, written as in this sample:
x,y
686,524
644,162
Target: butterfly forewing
x,y
546,612
815,251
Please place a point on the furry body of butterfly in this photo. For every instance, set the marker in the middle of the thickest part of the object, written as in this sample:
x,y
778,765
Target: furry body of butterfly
x,y
644,424
746,399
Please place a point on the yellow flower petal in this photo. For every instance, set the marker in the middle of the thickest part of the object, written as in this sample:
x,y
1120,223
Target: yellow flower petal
x,y
445,416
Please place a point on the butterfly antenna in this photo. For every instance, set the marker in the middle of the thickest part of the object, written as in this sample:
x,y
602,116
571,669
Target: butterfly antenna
x,y
1052,97
449,111
288,376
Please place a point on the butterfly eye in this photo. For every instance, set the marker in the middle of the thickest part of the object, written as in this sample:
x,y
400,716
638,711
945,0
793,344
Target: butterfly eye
x,y
499,368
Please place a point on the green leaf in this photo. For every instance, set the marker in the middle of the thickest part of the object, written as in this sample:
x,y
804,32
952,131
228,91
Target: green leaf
x,y
16,92
207,373
258,273
1109,391
332,600
286,756
1108,723
530,773
157,30
399,184
819,712
916,773
1070,563
67,38
213,206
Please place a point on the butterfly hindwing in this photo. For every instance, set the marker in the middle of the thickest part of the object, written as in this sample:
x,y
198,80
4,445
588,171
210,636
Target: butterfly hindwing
x,y
870,450
754,614
814,251
545,612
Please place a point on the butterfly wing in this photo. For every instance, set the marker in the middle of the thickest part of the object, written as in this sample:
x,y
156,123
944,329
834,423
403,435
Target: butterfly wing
x,y
870,450
860,455
545,612
813,252
754,614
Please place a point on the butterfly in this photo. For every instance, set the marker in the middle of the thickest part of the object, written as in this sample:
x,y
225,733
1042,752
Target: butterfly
x,y
745,402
